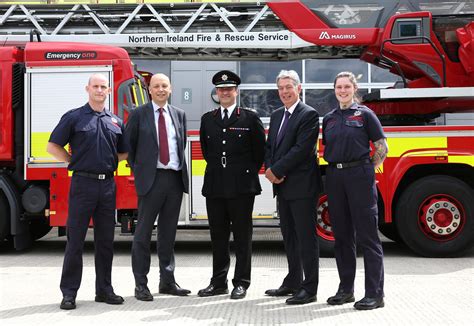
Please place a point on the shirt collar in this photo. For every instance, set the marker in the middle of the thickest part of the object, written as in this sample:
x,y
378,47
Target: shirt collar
x,y
353,106
293,107
88,109
156,107
230,109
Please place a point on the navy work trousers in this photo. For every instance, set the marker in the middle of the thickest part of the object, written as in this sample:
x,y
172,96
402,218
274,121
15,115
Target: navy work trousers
x,y
352,199
89,198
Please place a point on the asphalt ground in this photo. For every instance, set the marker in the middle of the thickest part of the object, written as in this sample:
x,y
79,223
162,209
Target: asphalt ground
x,y
419,291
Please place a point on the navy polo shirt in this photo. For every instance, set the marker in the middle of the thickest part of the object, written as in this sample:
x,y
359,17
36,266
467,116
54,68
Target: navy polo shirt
x,y
95,139
346,133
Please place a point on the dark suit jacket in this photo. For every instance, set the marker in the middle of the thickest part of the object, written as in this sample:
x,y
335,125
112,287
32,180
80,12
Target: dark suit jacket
x,y
241,143
295,156
143,155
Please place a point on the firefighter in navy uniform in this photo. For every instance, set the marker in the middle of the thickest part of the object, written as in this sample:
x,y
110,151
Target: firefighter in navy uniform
x,y
352,194
232,142
97,144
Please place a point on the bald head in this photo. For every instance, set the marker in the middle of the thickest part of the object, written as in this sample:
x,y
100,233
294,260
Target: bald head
x,y
98,90
98,78
160,89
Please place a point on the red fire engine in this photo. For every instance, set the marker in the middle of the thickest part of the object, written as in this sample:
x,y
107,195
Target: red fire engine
x,y
425,185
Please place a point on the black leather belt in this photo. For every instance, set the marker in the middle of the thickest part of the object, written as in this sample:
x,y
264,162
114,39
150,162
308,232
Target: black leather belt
x,y
346,165
100,176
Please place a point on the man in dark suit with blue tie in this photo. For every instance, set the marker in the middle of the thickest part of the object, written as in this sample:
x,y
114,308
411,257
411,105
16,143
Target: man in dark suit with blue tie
x,y
157,136
291,166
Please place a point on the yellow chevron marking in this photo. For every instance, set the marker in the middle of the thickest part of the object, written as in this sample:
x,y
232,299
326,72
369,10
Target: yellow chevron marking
x,y
465,159
198,167
398,147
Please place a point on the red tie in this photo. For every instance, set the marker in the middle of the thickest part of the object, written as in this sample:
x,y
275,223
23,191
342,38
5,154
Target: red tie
x,y
163,139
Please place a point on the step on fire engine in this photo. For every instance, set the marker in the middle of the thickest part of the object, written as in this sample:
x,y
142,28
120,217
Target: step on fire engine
x,y
425,186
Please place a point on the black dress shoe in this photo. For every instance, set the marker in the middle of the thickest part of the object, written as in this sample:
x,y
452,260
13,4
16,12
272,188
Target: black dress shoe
x,y
301,297
212,290
109,298
280,292
173,289
238,292
142,293
68,303
340,298
369,303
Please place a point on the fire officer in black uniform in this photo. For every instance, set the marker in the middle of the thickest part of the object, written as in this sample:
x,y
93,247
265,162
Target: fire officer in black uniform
x,y
232,142
95,137
352,194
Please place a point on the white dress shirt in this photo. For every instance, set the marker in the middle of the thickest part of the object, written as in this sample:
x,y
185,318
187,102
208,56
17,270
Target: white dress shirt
x,y
290,109
174,163
230,109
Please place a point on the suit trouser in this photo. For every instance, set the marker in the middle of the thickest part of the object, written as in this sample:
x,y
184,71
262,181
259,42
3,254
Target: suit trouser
x,y
163,200
298,227
352,199
89,198
226,215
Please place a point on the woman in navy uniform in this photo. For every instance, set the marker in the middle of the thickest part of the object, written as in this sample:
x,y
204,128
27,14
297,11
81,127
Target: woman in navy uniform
x,y
232,142
352,194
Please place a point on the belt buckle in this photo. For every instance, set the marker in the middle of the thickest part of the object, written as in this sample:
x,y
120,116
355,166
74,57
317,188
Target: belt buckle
x,y
339,165
223,161
101,176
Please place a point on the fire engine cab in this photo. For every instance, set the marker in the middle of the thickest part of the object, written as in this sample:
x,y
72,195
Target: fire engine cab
x,y
425,186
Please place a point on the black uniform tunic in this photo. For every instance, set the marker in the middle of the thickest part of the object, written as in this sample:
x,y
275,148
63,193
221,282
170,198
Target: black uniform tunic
x,y
352,194
234,152
95,139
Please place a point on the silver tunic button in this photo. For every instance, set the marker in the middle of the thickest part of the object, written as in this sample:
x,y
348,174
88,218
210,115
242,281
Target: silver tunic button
x,y
224,130
223,142
240,135
223,153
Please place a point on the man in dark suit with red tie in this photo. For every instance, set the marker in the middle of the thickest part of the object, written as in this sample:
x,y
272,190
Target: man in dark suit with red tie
x,y
157,136
291,165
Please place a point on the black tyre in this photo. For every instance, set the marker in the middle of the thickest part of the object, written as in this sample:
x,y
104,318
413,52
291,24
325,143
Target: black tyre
x,y
435,216
323,227
4,217
390,231
39,228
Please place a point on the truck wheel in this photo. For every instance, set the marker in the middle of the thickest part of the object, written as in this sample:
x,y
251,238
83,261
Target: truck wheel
x,y
4,217
389,230
435,216
323,227
39,228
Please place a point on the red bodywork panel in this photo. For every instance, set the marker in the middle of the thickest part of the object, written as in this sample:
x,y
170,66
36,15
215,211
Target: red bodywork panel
x,y
8,56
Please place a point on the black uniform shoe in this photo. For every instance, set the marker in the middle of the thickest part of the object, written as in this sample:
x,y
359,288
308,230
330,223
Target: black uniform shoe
x,y
212,290
369,303
280,292
238,292
68,303
302,297
109,298
173,289
341,298
142,293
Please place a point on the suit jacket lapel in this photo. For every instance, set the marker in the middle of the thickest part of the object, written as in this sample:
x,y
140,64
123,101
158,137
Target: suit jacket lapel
x,y
275,130
218,118
150,119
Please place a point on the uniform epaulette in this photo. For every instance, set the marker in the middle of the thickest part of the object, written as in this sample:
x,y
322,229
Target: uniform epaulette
x,y
214,111
250,109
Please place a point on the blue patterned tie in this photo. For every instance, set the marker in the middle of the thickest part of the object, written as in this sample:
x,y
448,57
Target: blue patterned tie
x,y
282,131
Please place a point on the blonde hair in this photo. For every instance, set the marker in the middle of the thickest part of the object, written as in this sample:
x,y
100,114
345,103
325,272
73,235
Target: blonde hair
x,y
352,78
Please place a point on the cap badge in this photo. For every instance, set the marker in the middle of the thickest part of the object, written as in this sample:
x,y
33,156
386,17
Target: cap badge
x,y
224,77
